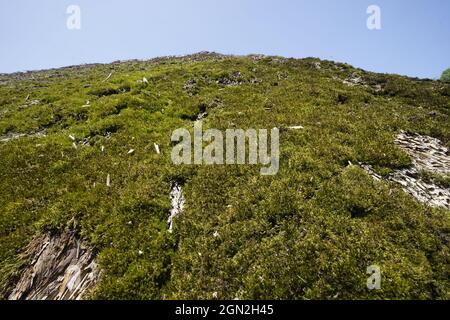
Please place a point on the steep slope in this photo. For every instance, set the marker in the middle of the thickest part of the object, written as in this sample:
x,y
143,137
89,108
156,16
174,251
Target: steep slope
x,y
86,150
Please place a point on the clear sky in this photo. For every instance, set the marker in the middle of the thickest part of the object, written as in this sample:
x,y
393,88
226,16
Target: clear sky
x,y
414,38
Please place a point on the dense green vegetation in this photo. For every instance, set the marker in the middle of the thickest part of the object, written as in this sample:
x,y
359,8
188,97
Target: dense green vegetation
x,y
446,75
308,232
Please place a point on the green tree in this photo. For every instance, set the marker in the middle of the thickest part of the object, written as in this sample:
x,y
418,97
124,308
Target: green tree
x,y
446,75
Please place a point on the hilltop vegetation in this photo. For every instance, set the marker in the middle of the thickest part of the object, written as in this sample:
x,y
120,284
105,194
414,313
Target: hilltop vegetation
x,y
308,232
446,75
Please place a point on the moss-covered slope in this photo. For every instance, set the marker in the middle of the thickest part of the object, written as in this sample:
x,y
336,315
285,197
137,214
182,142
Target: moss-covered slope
x,y
308,232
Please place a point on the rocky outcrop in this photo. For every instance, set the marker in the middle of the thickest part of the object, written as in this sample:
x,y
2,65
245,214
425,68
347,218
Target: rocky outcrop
x,y
13,135
428,155
61,267
177,200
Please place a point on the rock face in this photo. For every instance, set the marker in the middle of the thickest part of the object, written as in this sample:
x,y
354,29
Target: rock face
x,y
12,136
177,200
61,268
429,155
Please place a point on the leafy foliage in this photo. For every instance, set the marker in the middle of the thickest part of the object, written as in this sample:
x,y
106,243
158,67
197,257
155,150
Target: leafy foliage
x,y
446,75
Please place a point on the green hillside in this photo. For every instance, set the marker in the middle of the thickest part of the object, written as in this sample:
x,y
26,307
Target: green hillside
x,y
308,232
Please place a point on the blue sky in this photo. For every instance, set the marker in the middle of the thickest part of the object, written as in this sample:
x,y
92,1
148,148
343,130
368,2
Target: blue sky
x,y
414,39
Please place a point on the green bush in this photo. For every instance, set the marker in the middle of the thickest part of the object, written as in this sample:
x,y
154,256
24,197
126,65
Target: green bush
x,y
446,75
